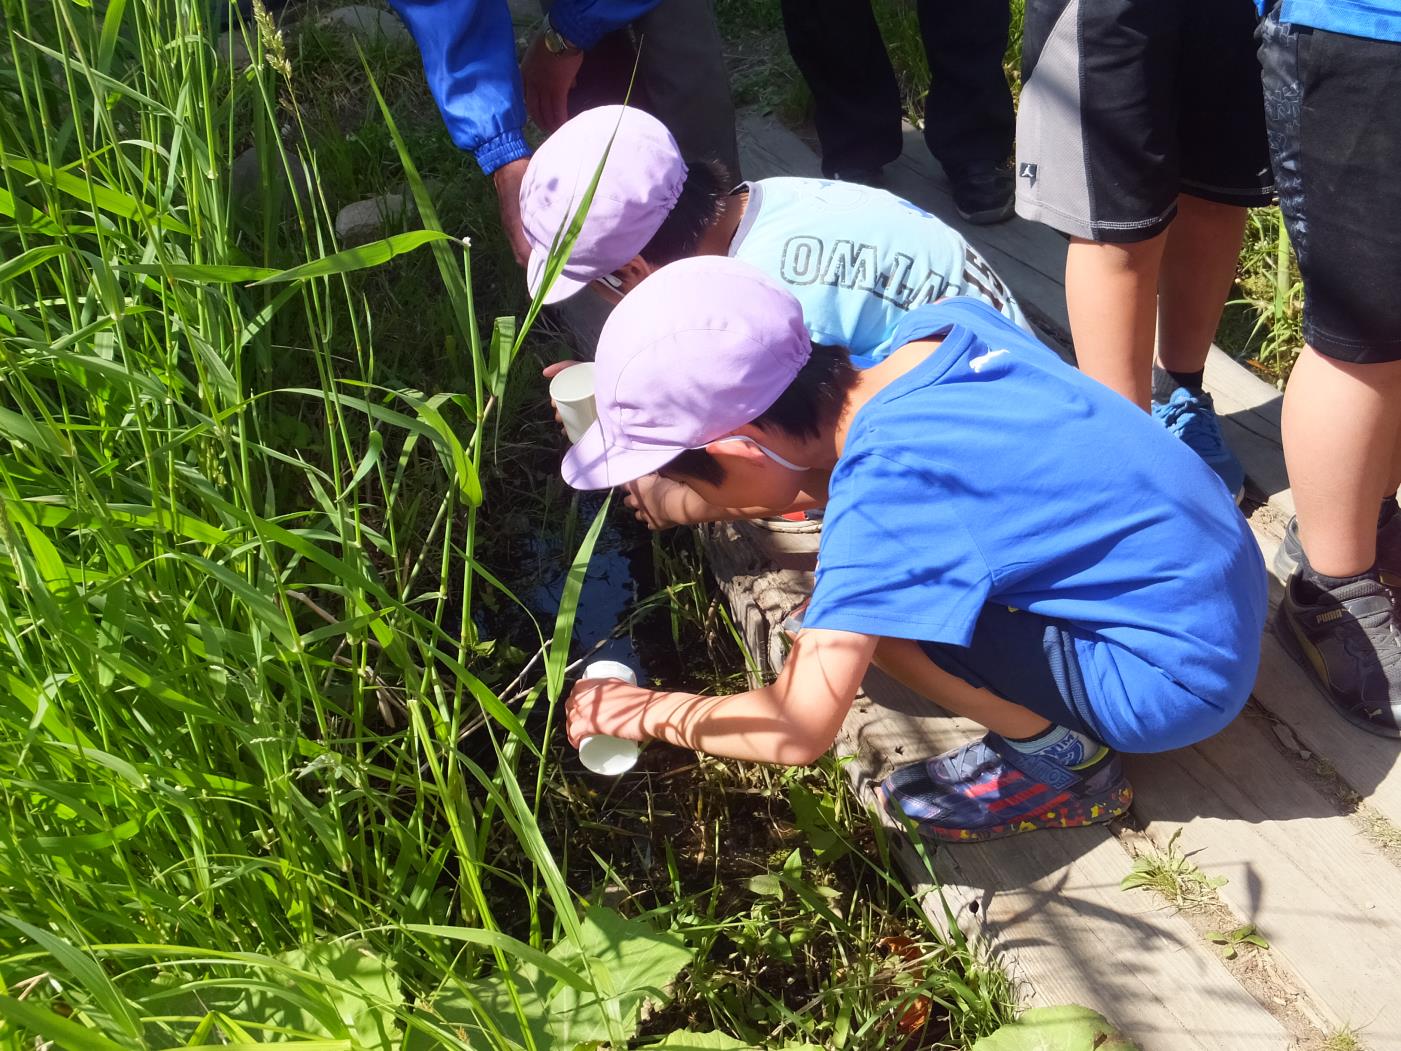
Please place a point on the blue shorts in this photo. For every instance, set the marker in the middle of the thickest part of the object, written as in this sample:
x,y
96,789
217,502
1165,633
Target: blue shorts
x,y
1033,660
1025,658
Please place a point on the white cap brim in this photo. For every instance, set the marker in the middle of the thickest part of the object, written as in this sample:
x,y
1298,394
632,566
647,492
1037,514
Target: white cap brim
x,y
564,286
594,464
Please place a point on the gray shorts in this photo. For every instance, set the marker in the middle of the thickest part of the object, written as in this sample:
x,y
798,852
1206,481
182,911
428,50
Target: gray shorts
x,y
1128,103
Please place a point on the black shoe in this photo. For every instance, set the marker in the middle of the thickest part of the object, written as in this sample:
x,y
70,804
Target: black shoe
x,y
1350,641
1290,554
983,194
864,176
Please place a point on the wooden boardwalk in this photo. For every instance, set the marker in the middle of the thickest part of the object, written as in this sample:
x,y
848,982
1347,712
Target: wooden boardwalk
x,y
1298,810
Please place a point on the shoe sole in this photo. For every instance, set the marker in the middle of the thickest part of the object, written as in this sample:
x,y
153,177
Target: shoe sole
x,y
1292,646
1283,564
1114,806
988,216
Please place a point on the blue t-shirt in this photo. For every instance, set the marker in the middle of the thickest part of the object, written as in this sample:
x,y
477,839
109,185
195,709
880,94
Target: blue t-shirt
x,y
858,259
994,472
1373,19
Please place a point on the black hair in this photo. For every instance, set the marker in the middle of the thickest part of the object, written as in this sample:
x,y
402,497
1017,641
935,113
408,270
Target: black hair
x,y
707,184
807,405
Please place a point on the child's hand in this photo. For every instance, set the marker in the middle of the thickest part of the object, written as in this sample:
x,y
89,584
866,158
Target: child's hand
x,y
605,706
550,372
662,503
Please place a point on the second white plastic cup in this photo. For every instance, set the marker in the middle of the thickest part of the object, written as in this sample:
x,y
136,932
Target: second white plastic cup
x,y
600,753
572,391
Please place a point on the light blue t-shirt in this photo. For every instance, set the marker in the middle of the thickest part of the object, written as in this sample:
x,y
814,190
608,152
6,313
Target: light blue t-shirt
x,y
1373,19
859,258
994,472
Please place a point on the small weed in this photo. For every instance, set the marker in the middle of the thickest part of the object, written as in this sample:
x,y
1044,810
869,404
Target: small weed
x,y
1232,941
1174,876
1344,1039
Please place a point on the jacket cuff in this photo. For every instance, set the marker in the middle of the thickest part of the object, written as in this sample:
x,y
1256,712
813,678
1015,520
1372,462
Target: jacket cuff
x,y
578,28
500,151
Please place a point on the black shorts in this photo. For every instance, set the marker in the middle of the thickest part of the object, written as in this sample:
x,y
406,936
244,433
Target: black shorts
x,y
1128,103
1333,105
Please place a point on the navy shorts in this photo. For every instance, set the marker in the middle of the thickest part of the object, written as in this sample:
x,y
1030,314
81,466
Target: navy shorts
x,y
1024,658
1126,104
1333,105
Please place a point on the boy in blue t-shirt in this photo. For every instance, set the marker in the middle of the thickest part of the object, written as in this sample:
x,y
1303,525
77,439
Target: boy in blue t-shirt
x,y
974,546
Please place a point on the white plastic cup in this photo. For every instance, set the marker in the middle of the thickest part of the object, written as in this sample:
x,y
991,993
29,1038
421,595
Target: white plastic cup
x,y
600,753
572,391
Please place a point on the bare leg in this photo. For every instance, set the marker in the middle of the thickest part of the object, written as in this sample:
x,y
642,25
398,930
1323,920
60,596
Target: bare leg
x,y
1342,437
905,661
1111,292
1198,266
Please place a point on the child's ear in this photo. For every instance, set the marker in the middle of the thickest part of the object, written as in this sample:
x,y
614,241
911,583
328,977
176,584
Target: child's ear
x,y
633,271
736,453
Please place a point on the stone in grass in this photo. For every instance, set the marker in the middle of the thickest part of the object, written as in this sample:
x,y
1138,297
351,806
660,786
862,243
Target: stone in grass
x,y
369,220
369,25
246,177
241,59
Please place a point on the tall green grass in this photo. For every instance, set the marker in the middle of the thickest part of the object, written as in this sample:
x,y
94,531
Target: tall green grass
x,y
236,666
267,776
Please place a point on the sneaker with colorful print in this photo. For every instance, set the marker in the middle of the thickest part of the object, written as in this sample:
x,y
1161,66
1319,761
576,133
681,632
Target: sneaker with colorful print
x,y
988,789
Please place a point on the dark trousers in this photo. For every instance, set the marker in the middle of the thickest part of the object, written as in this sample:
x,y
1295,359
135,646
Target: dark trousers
x,y
837,46
681,78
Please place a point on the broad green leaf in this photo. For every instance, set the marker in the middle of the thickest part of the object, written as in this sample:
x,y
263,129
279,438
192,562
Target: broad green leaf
x,y
34,433
341,990
641,963
95,194
1064,1028
205,273
686,1040
359,258
65,1033
511,946
503,338
87,971
27,261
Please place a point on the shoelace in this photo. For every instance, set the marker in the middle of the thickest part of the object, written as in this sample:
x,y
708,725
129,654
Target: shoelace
x,y
1184,415
1361,624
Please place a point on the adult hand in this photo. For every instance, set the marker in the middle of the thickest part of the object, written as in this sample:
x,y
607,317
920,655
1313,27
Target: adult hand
x,y
605,706
508,192
548,79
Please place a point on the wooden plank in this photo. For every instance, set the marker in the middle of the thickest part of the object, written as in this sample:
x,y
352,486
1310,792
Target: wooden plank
x,y
768,149
1030,257
1328,903
1049,905
1368,764
1249,409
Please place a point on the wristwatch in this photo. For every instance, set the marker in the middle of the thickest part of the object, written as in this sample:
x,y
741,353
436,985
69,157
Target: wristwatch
x,y
556,44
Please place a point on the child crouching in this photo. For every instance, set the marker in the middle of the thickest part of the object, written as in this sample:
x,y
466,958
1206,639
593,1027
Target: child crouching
x,y
975,546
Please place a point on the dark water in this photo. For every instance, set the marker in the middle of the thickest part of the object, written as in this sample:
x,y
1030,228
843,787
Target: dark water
x,y
619,571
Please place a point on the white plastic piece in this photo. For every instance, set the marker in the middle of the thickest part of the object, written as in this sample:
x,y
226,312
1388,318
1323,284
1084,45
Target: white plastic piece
x,y
600,753
572,391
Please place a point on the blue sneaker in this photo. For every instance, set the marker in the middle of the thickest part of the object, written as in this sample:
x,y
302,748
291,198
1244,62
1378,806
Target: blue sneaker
x,y
987,789
1192,417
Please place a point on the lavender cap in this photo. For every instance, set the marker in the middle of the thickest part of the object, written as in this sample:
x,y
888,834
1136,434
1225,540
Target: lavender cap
x,y
639,185
698,349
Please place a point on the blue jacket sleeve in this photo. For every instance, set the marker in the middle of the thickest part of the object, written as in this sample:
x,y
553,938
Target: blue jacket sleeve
x,y
585,22
469,58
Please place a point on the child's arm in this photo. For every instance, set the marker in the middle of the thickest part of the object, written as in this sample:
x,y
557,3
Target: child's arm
x,y
791,721
662,503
